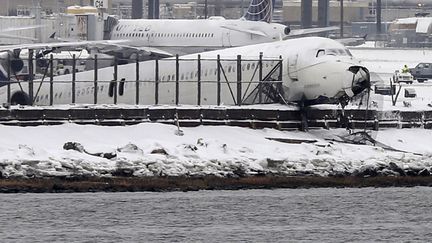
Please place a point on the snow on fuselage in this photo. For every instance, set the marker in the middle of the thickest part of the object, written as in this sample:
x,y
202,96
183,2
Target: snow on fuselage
x,y
313,68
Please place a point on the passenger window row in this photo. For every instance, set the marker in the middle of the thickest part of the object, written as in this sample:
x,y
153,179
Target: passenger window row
x,y
207,72
166,35
78,92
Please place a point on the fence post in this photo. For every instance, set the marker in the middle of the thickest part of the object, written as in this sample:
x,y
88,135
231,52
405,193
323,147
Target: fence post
x,y
51,65
280,75
177,79
30,77
199,80
115,79
156,81
137,94
376,123
74,78
239,81
218,80
260,71
96,78
9,79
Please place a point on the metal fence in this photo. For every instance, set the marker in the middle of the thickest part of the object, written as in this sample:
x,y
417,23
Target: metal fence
x,y
248,81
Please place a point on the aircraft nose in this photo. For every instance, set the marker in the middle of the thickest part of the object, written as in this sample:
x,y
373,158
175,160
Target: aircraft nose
x,y
361,79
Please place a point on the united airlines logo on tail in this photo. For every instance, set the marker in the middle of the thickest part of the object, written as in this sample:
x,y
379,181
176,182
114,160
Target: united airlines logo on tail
x,y
260,10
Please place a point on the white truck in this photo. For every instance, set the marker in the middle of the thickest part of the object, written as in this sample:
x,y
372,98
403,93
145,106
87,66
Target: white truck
x,y
402,77
63,62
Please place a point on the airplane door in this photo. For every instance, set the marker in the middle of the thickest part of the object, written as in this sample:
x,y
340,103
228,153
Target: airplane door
x,y
226,39
292,68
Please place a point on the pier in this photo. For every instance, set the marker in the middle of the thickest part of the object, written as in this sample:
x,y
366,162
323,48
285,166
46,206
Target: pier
x,y
262,116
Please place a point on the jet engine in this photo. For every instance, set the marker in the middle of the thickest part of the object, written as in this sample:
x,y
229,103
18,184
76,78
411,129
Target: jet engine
x,y
287,30
16,63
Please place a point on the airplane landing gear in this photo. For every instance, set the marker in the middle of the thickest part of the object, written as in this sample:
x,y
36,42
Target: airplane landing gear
x,y
303,116
343,120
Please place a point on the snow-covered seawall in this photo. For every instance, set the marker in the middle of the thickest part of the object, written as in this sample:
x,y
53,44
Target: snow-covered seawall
x,y
152,149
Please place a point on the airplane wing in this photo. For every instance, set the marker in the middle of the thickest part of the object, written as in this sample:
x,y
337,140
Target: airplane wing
x,y
103,46
248,31
148,51
353,41
59,45
109,47
308,31
21,28
10,36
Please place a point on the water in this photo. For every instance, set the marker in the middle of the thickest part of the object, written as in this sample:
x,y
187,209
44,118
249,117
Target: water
x,y
330,215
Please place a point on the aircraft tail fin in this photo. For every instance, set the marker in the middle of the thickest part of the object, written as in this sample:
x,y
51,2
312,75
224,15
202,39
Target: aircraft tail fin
x,y
109,26
260,10
52,36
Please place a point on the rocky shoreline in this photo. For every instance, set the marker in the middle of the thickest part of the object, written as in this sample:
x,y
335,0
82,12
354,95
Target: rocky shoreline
x,y
164,184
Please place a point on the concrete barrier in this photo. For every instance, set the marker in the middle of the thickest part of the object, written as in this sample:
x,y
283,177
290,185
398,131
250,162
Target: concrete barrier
x,y
231,116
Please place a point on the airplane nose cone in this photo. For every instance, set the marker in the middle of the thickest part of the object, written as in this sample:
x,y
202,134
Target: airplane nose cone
x,y
361,79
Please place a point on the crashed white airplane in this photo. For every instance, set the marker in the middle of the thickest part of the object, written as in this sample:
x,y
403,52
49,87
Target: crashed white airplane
x,y
314,70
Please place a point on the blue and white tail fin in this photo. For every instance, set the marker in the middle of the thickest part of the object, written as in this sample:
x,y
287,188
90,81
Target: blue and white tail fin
x,y
260,10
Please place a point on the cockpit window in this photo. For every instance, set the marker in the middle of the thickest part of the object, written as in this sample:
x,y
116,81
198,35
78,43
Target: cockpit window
x,y
333,52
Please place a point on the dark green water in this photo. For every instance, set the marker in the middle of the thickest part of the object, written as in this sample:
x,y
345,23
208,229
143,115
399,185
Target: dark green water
x,y
324,215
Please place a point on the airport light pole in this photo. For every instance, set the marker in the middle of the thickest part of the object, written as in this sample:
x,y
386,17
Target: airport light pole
x,y
306,13
323,13
341,18
153,9
205,10
38,19
137,9
378,17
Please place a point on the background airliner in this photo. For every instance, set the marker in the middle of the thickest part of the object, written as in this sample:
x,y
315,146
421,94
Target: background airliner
x,y
174,36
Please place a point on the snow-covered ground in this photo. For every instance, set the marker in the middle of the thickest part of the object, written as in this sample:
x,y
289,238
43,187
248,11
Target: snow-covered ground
x,y
154,149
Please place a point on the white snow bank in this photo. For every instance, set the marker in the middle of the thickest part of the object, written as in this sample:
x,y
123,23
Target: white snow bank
x,y
154,149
